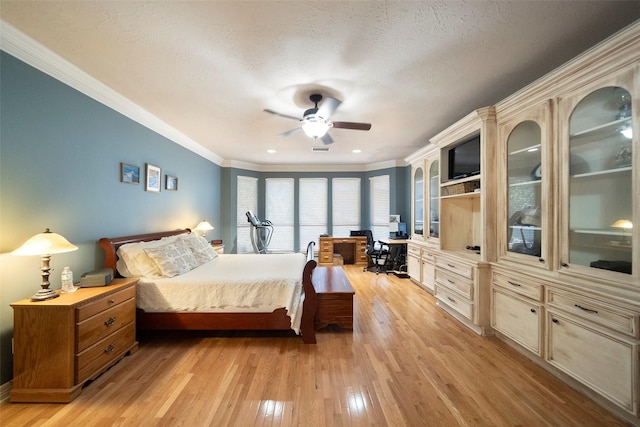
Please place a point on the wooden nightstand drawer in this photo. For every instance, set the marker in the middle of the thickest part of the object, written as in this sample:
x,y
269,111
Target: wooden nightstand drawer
x,y
105,323
92,361
87,310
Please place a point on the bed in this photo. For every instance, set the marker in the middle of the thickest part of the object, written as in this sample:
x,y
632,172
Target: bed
x,y
156,311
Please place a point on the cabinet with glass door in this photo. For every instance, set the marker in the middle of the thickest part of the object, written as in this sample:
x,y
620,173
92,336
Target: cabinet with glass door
x,y
525,219
434,199
418,203
600,189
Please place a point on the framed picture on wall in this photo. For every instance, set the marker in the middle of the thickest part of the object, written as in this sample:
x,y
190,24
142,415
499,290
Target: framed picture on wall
x,y
170,183
154,178
129,174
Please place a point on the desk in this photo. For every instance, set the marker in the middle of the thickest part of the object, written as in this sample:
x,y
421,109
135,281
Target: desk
x,y
397,255
353,250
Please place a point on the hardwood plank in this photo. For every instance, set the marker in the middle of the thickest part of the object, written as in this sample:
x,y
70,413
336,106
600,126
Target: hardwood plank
x,y
406,363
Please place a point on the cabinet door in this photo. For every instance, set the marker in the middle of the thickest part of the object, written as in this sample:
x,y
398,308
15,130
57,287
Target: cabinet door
x,y
600,193
418,202
525,220
518,318
434,199
604,363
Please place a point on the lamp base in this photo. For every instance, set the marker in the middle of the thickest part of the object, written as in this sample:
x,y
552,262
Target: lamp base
x,y
45,294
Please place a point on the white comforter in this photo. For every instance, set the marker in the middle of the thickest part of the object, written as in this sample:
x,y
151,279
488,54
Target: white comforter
x,y
231,283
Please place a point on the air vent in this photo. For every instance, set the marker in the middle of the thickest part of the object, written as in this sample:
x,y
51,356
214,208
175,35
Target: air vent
x,y
321,149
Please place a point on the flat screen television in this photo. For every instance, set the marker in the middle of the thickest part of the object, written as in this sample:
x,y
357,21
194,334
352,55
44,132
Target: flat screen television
x,y
464,159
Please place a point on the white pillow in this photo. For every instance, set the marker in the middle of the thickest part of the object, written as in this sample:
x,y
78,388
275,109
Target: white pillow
x,y
136,259
172,259
121,266
202,250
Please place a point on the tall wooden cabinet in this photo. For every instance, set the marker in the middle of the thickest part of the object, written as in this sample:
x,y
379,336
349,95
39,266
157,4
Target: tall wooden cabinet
x,y
555,212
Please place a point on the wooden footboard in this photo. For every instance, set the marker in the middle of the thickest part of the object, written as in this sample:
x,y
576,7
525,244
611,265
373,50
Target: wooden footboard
x,y
276,320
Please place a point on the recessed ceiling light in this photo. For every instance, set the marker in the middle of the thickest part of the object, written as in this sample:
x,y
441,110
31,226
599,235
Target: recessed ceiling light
x,y
271,151
356,151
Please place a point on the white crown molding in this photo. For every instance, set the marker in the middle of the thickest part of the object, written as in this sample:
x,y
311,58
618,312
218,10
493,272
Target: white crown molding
x,y
313,168
43,59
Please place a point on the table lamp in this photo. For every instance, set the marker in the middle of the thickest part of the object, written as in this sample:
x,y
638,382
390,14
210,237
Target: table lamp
x,y
625,224
203,227
45,244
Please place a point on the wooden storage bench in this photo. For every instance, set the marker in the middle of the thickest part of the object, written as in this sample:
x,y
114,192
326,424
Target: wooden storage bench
x,y
335,297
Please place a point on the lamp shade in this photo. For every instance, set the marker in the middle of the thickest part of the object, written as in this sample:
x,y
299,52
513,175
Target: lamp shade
x,y
314,127
203,226
46,243
623,223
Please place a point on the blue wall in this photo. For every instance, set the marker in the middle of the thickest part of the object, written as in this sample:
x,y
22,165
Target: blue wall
x,y
60,154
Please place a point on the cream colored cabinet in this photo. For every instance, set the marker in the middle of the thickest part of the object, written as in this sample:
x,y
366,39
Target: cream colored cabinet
x,y
604,361
434,199
525,200
517,309
462,289
428,262
414,268
600,188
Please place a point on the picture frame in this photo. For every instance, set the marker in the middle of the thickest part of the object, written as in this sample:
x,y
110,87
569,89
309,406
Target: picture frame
x,y
129,174
170,183
153,178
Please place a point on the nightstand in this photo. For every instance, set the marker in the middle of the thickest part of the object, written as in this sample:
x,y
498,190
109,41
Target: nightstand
x,y
62,343
218,248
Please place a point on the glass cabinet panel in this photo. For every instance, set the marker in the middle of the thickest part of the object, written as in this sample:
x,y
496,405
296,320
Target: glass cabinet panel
x,y
524,189
418,202
600,181
434,199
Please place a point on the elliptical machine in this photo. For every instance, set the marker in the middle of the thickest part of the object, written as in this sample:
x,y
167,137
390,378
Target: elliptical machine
x,y
261,232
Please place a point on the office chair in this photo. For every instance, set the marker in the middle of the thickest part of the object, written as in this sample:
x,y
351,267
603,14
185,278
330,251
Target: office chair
x,y
378,254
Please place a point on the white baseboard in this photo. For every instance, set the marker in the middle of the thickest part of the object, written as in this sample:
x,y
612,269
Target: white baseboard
x,y
4,390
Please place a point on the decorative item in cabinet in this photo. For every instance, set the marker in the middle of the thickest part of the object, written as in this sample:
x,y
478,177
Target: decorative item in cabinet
x,y
460,188
598,189
60,344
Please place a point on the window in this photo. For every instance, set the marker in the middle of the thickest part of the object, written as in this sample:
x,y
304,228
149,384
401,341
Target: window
x,y
380,207
346,206
279,210
247,195
312,207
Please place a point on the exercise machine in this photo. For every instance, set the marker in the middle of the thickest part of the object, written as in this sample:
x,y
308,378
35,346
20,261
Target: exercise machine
x,y
261,232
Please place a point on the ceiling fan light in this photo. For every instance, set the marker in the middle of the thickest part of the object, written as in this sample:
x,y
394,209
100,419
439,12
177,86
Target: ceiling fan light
x,y
315,128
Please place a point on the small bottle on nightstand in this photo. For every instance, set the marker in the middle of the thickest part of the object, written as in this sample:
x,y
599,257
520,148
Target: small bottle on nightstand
x,y
67,281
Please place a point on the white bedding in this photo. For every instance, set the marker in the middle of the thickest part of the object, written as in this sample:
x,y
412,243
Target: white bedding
x,y
230,283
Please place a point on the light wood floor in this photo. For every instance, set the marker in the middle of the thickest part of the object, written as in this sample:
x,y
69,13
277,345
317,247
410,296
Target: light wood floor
x,y
407,363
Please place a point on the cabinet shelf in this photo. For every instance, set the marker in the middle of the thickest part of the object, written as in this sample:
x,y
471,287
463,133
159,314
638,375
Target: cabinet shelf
x,y
529,149
602,172
604,129
471,195
532,182
601,232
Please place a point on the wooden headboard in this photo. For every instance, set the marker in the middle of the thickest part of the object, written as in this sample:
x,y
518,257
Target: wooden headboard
x,y
111,245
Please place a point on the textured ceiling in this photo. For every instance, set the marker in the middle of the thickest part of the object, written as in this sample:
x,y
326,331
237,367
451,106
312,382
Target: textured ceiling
x,y
209,68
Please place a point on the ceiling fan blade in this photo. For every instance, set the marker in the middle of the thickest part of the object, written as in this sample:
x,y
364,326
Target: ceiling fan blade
x,y
326,139
289,132
281,115
351,125
328,107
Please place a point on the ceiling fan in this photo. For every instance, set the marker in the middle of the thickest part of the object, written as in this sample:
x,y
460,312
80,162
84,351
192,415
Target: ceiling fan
x,y
315,121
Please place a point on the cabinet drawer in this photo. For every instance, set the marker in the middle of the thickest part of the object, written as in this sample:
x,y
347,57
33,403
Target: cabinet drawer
x,y
326,257
428,257
455,283
517,318
464,270
604,363
97,327
455,301
597,312
87,310
91,361
413,250
520,285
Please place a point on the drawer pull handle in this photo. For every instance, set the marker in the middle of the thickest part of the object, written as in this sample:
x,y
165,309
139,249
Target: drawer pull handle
x,y
588,310
564,264
452,266
110,321
533,310
451,299
451,281
513,283
554,320
110,348
541,259
111,301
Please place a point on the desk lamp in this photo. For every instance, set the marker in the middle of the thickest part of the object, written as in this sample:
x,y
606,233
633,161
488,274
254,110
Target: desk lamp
x,y
45,244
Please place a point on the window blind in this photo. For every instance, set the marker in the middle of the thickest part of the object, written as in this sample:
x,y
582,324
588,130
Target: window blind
x,y
279,210
247,194
379,187
345,213
312,208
